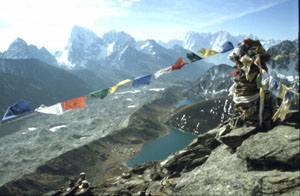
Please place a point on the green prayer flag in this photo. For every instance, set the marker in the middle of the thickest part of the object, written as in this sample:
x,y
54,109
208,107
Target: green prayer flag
x,y
193,57
99,94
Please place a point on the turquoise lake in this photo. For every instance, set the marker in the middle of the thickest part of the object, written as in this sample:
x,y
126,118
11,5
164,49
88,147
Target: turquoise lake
x,y
187,101
162,147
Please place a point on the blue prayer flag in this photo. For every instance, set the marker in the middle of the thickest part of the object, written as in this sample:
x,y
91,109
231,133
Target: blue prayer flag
x,y
141,80
227,46
18,109
265,75
289,95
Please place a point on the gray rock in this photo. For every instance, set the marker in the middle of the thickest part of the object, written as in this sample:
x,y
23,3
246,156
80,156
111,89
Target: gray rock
x,y
277,148
226,174
235,137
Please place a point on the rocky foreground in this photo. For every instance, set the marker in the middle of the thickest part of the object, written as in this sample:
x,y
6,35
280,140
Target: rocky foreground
x,y
246,161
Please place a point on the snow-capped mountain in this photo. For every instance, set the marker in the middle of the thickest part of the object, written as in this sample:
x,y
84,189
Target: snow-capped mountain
x,y
19,49
119,51
285,68
215,82
170,43
194,41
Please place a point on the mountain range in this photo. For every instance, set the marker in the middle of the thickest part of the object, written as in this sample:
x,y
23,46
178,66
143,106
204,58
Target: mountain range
x,y
119,50
193,41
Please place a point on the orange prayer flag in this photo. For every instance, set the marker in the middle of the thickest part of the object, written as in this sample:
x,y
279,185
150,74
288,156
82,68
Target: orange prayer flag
x,y
179,63
76,103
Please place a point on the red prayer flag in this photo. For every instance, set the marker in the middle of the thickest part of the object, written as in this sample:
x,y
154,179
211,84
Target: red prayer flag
x,y
234,73
179,63
76,103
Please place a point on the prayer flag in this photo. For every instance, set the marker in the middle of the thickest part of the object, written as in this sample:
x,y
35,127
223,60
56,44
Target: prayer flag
x,y
141,80
265,75
162,71
277,57
179,64
227,46
207,52
99,94
274,84
54,109
193,57
18,109
76,103
289,95
114,88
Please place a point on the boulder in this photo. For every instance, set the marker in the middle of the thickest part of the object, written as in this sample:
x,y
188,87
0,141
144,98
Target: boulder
x,y
224,173
235,137
275,149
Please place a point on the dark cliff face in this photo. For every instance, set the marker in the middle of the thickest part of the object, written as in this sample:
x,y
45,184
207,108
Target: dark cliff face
x,y
215,82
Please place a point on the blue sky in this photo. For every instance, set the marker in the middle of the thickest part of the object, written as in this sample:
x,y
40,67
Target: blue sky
x,y
49,23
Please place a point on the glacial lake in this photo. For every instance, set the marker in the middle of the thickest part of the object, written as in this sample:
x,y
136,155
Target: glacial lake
x,y
162,147
187,101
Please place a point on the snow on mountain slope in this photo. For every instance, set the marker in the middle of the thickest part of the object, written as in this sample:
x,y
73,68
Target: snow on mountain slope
x,y
286,68
213,83
194,41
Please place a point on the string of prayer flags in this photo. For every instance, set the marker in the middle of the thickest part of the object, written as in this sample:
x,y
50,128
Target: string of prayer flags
x,y
76,103
179,64
227,46
162,71
114,88
141,80
99,94
54,109
207,52
193,57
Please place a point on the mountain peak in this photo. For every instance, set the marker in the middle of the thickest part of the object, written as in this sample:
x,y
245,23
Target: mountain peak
x,y
82,34
20,42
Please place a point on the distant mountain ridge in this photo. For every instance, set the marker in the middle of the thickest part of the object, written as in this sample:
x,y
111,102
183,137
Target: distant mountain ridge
x,y
286,68
119,50
19,49
194,41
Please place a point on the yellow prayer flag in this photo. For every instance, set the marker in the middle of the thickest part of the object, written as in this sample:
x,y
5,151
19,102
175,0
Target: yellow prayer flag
x,y
114,88
207,52
284,88
277,57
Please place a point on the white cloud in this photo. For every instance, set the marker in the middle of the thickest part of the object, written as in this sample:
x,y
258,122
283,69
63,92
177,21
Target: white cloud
x,y
47,22
217,18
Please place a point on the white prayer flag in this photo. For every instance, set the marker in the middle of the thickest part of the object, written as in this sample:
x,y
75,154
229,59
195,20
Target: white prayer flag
x,y
54,109
162,71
